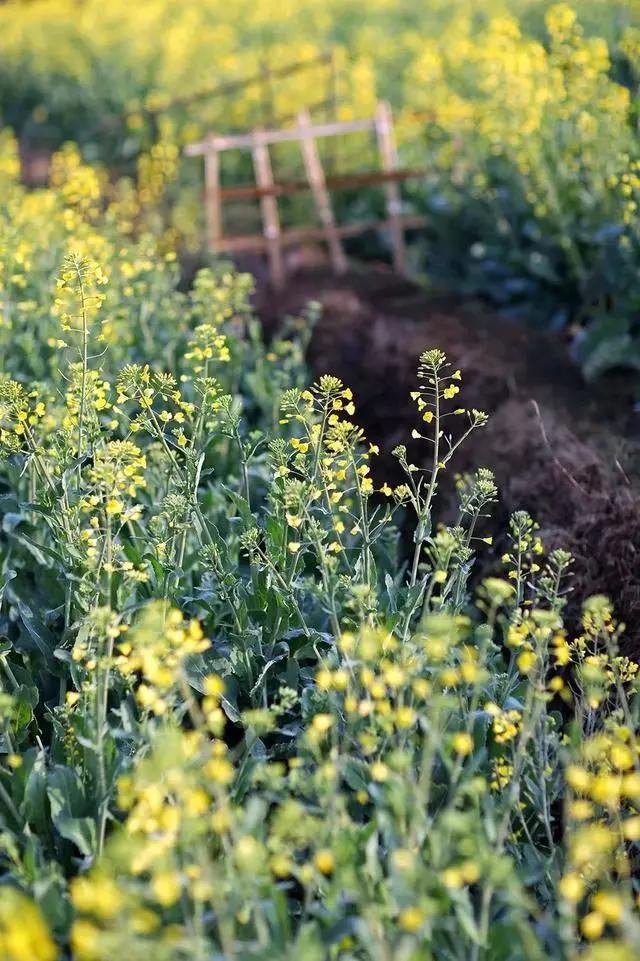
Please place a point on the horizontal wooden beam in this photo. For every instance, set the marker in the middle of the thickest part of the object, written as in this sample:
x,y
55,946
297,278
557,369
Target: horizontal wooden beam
x,y
297,235
338,182
292,135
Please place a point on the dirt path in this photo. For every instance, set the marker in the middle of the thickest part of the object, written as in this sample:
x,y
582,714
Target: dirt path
x,y
567,452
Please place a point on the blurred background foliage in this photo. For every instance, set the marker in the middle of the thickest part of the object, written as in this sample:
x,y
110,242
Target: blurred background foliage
x,y
523,113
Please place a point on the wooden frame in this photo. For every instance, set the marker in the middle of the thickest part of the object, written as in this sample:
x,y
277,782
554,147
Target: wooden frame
x,y
273,239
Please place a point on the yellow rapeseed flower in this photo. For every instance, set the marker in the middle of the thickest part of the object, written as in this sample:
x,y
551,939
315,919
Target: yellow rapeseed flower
x,y
24,936
324,861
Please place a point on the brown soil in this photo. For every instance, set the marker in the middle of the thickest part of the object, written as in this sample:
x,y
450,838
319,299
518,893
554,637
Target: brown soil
x,y
567,452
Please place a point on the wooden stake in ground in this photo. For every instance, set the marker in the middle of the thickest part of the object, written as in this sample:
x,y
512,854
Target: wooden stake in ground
x,y
389,159
317,182
213,204
269,208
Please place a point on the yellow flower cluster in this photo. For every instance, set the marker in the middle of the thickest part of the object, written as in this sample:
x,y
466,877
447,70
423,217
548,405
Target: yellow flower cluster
x,y
326,466
602,810
155,650
83,221
24,936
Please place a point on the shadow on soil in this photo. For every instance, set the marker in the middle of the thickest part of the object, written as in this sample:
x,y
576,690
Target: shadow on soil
x,y
566,451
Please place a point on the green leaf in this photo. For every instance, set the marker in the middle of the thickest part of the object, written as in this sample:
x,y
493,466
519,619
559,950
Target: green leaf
x,y
81,831
464,914
66,792
37,631
34,805
26,700
8,576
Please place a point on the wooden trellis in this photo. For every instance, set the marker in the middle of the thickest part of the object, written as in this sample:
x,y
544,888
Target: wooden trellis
x,y
273,238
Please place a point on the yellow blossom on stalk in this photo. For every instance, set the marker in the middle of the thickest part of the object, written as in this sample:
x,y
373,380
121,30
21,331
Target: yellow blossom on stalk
x,y
324,861
24,936
572,887
609,905
592,925
527,661
462,744
581,810
502,772
322,723
84,939
213,685
578,778
506,725
465,873
380,772
411,919
220,770
591,845
156,648
405,717
96,895
166,887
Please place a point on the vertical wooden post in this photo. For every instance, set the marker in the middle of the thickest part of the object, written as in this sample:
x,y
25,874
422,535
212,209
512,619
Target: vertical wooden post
x,y
389,159
269,209
316,178
212,202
